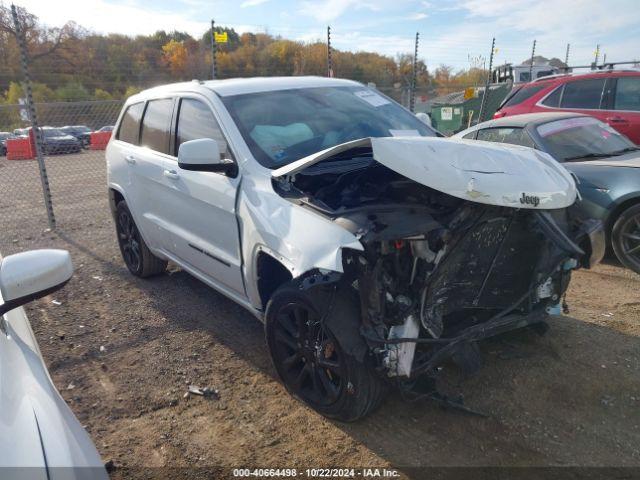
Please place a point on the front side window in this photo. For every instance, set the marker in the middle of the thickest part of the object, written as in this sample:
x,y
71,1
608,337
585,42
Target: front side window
x,y
156,125
580,138
583,94
628,94
285,125
195,121
130,124
511,135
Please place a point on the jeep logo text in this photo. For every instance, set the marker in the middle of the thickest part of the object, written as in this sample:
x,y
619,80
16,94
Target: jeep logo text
x,y
529,200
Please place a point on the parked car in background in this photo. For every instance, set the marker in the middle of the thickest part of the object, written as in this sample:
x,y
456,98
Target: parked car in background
x,y
55,141
3,142
39,435
106,128
369,246
21,132
611,96
606,163
81,132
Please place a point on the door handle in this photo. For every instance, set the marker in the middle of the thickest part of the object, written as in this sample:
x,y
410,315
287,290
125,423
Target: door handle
x,y
172,174
130,159
616,120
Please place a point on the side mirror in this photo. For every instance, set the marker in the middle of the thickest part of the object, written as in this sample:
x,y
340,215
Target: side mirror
x,y
33,274
203,155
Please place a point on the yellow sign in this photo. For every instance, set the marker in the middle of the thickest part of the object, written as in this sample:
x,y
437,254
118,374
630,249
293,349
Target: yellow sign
x,y
220,37
469,92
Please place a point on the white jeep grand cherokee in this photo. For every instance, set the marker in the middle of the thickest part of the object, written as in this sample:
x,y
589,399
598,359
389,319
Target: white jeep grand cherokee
x,y
372,249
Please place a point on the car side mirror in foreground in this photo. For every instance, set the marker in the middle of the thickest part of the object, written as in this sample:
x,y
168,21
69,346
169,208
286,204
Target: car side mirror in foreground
x,y
203,155
30,275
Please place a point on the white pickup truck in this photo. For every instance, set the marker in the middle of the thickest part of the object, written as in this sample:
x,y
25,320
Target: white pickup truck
x,y
372,249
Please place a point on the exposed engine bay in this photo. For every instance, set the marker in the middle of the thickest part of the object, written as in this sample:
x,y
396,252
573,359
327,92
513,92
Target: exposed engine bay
x,y
438,273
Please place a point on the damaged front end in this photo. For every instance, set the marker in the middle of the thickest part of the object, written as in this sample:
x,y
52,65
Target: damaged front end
x,y
441,270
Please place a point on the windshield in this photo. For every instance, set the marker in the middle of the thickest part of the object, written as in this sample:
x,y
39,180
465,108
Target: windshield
x,y
285,125
53,132
582,137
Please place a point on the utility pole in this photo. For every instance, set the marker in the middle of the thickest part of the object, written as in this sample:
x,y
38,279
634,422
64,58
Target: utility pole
x,y
597,54
483,104
31,110
329,56
566,57
213,51
533,53
412,98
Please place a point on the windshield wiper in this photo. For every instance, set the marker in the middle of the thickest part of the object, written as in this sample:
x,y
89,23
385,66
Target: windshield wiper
x,y
590,155
625,150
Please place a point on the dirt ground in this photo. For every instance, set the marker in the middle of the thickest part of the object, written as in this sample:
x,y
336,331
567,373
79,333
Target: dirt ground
x,y
122,351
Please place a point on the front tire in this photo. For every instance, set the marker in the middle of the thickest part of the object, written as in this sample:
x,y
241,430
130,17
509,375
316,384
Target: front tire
x,y
625,238
135,253
312,361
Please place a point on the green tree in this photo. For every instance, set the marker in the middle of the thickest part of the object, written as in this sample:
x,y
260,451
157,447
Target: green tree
x,y
72,92
100,94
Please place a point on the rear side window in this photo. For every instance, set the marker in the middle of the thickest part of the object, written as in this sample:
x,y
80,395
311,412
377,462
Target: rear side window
x,y
523,94
553,100
511,135
628,94
583,94
156,125
130,124
195,121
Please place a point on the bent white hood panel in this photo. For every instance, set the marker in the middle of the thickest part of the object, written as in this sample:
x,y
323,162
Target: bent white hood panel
x,y
482,172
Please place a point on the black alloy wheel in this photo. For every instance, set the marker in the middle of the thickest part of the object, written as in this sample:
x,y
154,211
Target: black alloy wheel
x,y
626,238
310,358
311,363
129,240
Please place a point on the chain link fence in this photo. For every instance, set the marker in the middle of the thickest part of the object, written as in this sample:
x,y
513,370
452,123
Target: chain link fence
x,y
73,156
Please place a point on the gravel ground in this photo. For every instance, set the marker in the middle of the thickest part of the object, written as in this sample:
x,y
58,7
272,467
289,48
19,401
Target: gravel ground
x,y
122,351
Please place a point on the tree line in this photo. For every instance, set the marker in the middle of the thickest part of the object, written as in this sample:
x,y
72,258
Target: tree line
x,y
70,63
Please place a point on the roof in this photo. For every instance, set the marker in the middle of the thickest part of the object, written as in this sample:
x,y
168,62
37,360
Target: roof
x,y
610,71
237,86
529,118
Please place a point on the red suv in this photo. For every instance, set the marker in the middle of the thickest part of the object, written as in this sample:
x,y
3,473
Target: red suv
x,y
612,96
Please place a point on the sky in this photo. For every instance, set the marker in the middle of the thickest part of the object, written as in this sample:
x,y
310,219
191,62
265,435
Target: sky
x,y
456,33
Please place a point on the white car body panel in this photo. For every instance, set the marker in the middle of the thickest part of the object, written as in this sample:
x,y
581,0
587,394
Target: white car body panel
x,y
37,428
481,172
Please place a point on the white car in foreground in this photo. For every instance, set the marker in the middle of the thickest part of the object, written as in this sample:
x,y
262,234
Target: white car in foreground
x,y
39,435
372,249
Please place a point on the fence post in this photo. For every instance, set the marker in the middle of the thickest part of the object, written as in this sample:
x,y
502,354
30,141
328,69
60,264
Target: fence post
x,y
213,51
483,104
329,56
31,109
533,54
412,98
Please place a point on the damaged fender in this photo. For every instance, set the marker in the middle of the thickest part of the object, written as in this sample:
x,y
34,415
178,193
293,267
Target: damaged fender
x,y
298,238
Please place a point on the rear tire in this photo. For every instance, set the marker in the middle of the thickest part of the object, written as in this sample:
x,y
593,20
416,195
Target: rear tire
x,y
625,238
135,253
311,359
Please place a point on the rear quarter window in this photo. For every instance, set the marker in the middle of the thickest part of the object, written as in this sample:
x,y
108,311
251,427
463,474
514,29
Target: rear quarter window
x,y
129,129
524,93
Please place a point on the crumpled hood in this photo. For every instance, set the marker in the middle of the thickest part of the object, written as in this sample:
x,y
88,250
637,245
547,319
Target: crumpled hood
x,y
482,172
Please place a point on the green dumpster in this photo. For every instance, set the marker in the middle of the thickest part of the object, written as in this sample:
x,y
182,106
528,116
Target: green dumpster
x,y
453,112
